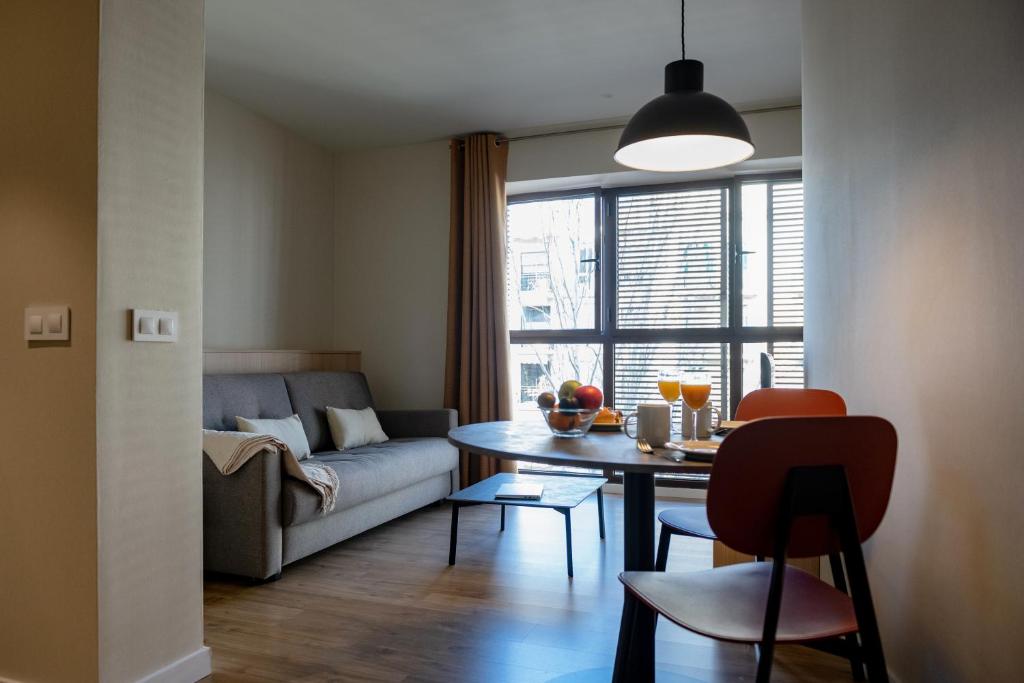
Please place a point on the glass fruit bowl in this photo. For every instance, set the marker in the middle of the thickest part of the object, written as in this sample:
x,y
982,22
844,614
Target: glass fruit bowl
x,y
569,423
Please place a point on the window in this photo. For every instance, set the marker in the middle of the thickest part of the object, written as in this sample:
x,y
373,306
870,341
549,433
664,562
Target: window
x,y
551,263
531,376
533,270
541,315
617,284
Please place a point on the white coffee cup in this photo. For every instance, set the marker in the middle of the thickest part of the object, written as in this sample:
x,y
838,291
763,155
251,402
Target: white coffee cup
x,y
706,424
653,423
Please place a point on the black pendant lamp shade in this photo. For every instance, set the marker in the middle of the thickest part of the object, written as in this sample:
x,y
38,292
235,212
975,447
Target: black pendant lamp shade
x,y
686,129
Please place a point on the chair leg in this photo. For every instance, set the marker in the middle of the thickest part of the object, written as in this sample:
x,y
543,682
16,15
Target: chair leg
x,y
766,651
835,563
568,537
663,541
783,527
867,623
600,512
850,641
502,518
455,533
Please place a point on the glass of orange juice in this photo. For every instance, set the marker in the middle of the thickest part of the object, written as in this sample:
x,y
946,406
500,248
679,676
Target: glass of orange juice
x,y
696,390
668,385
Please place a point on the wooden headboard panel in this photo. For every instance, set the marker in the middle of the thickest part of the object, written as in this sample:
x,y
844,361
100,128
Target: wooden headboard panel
x,y
263,360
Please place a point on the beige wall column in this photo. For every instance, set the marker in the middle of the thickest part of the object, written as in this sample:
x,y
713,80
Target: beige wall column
x,y
915,244
48,174
148,395
101,132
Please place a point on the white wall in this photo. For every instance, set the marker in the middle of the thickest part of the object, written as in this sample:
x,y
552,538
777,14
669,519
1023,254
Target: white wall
x,y
269,237
776,135
148,402
391,268
915,244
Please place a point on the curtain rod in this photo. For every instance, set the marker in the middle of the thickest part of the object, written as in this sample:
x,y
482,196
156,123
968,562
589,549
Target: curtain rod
x,y
620,126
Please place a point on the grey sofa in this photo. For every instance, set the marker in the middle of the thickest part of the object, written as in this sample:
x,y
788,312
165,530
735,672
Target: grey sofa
x,y
257,520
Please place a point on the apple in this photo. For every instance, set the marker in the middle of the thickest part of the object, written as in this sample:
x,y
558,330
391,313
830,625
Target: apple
x,y
589,397
567,388
546,400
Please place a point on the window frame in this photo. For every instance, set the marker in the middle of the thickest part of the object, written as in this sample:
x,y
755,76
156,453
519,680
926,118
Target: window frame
x,y
605,330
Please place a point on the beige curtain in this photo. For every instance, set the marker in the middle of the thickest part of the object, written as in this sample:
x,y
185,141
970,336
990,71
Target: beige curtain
x,y
476,380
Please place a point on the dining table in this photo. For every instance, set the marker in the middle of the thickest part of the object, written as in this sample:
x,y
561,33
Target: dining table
x,y
534,442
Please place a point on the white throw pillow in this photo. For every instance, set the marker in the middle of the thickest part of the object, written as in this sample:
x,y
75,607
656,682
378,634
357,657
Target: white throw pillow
x,y
288,429
352,428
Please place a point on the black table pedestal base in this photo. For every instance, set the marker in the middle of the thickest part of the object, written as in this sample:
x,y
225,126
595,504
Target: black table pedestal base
x,y
634,657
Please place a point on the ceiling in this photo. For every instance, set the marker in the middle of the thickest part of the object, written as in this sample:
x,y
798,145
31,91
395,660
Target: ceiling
x,y
360,73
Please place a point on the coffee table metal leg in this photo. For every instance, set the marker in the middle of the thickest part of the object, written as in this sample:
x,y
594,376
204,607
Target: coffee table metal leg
x,y
568,536
502,517
600,512
634,658
455,533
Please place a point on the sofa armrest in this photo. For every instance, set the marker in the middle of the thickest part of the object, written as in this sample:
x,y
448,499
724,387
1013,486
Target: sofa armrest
x,y
405,424
242,518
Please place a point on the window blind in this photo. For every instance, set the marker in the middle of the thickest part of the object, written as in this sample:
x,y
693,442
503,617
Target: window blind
x,y
637,367
786,223
789,364
670,254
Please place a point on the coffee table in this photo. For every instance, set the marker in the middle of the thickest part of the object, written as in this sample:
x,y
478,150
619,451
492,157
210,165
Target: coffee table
x,y
561,493
533,442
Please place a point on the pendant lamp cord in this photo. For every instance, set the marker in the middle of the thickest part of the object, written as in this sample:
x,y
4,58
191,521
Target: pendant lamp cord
x,y
682,27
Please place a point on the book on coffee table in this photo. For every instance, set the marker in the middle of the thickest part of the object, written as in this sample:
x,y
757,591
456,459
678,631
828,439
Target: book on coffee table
x,y
519,492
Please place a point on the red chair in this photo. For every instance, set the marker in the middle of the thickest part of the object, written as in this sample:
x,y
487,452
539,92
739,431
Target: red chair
x,y
783,487
691,519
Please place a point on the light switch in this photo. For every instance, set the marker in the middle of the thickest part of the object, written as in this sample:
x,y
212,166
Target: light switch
x,y
154,326
47,323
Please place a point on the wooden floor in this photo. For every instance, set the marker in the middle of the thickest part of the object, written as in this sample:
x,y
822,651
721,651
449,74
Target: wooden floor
x,y
385,606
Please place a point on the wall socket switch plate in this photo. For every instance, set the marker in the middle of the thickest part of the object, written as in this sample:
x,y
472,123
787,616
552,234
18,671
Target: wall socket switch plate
x,y
47,323
154,326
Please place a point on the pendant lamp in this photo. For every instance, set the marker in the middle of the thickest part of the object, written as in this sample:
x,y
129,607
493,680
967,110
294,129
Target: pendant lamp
x,y
686,129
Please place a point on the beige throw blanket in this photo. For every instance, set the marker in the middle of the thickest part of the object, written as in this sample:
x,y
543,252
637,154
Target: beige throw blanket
x,y
228,451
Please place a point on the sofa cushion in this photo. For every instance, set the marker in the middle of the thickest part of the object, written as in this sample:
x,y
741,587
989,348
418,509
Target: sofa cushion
x,y
369,472
287,429
249,395
312,392
354,428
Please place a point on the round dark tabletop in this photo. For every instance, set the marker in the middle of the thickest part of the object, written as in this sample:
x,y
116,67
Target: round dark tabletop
x,y
533,442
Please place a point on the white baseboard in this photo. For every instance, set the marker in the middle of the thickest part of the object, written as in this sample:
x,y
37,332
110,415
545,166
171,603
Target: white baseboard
x,y
188,669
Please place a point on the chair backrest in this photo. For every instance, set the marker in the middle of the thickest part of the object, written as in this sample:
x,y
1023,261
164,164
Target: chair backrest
x,y
753,463
789,402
